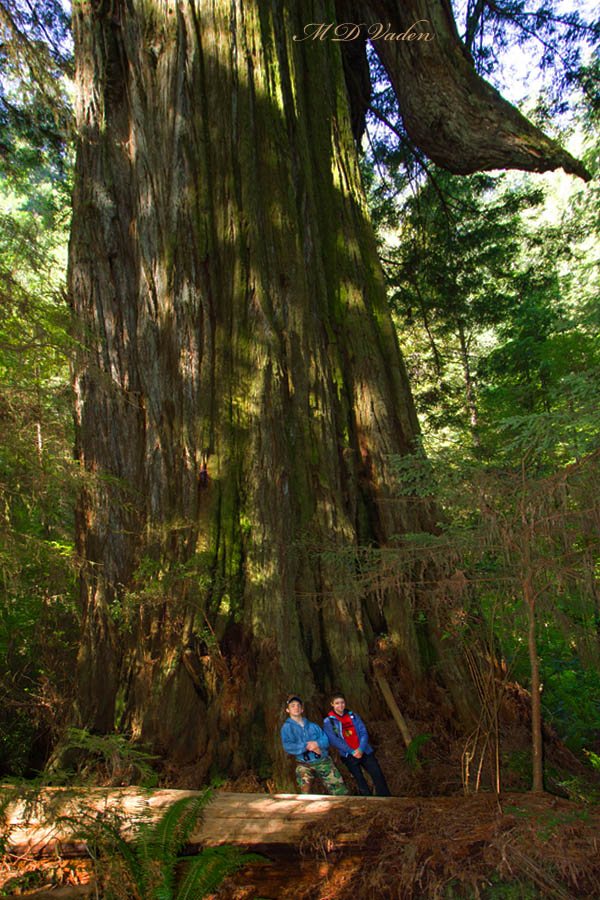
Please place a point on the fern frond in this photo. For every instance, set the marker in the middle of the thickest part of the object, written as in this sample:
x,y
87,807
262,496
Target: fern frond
x,y
7,797
206,872
105,836
157,845
166,838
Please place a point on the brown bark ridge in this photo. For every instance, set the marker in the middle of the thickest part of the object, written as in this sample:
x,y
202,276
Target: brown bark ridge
x,y
458,119
238,386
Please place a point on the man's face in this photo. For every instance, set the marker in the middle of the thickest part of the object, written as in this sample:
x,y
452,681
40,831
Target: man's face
x,y
339,705
295,708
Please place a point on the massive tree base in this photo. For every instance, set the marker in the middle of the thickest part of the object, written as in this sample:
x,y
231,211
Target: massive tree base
x,y
239,393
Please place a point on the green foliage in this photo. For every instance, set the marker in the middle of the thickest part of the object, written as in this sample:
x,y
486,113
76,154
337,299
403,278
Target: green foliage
x,y
38,620
579,789
495,888
594,759
510,536
7,797
499,889
212,867
571,695
110,757
554,38
411,754
493,281
37,650
35,115
151,865
518,762
414,474
25,883
483,296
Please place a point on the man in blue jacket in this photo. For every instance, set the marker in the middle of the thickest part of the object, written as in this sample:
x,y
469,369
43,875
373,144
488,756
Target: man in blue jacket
x,y
308,743
348,734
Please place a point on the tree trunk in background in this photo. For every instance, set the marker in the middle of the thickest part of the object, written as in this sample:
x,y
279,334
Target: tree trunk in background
x,y
231,310
537,747
470,394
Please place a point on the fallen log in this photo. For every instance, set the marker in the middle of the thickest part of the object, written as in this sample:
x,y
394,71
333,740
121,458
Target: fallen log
x,y
309,849
40,823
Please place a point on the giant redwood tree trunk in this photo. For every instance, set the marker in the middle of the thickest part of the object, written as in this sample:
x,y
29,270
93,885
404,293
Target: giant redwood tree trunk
x,y
232,311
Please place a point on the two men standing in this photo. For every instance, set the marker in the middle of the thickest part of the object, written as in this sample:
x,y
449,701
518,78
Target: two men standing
x,y
309,744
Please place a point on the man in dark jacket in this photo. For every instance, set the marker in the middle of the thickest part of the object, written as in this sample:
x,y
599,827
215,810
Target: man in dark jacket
x,y
308,743
348,734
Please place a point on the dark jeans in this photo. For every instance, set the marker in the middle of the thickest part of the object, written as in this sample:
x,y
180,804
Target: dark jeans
x,y
369,762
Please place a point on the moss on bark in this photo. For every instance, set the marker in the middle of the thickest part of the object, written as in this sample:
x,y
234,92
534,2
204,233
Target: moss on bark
x,y
231,312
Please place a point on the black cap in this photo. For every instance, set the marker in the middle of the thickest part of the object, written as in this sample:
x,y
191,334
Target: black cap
x,y
293,697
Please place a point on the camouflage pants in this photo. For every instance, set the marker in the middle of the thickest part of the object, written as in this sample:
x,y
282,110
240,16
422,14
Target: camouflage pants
x,y
326,771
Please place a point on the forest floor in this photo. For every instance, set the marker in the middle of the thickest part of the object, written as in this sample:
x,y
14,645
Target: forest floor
x,y
514,846
518,846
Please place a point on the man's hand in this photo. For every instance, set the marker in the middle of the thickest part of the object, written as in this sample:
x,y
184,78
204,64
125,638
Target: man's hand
x,y
357,754
312,745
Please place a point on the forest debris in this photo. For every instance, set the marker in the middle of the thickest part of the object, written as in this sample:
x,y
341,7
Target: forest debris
x,y
420,849
55,877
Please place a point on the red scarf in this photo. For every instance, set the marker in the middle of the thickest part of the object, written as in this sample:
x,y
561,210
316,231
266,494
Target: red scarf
x,y
348,730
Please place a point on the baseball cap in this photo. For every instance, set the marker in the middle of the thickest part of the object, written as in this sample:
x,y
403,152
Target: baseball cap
x,y
292,697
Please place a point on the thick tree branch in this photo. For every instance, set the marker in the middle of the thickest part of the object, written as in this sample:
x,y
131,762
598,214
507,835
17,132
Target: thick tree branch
x,y
459,120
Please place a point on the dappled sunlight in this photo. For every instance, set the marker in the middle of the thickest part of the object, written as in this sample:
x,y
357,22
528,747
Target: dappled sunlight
x,y
239,393
255,514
